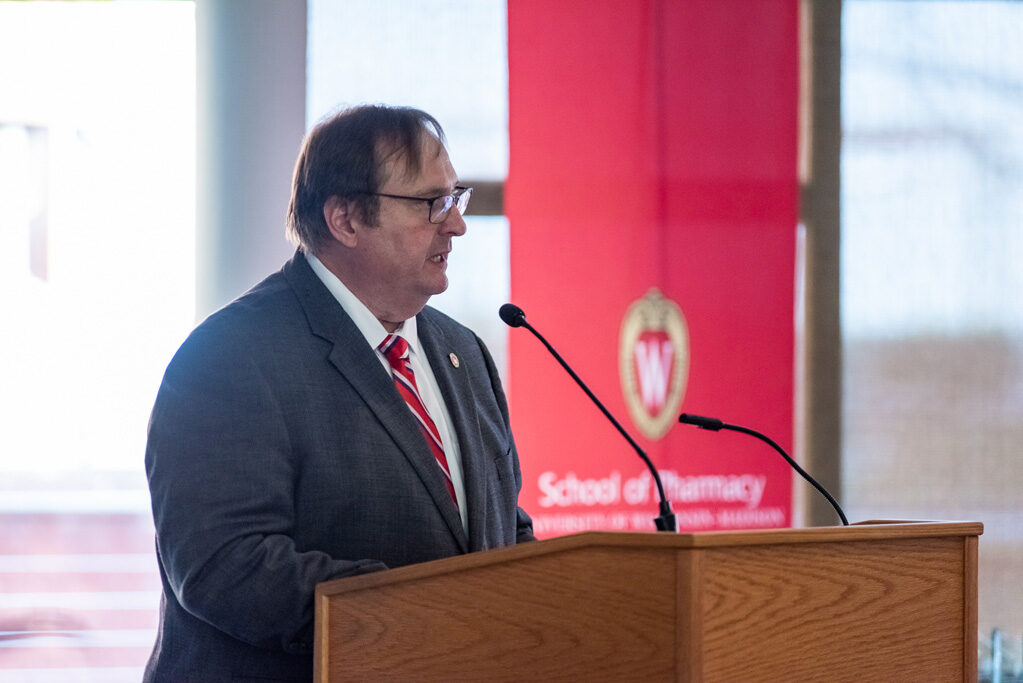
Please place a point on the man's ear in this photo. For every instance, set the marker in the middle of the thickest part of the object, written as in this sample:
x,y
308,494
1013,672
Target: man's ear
x,y
338,213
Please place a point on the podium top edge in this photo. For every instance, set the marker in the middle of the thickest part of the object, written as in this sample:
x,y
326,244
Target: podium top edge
x,y
873,530
867,530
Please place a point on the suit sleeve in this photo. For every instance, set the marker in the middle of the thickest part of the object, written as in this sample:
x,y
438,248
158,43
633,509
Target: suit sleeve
x,y
221,474
524,525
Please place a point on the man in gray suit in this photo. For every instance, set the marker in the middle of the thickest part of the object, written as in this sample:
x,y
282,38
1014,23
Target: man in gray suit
x,y
295,439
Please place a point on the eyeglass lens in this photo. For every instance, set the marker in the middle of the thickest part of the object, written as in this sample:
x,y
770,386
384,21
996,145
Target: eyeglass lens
x,y
441,205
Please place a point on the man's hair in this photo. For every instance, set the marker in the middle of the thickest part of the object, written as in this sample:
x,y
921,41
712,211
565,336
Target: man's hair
x,y
344,156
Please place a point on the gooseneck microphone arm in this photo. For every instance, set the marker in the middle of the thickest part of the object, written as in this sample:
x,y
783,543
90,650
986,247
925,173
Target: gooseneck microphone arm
x,y
713,424
514,316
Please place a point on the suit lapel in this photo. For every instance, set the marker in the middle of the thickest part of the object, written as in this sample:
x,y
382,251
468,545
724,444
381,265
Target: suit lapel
x,y
361,367
457,392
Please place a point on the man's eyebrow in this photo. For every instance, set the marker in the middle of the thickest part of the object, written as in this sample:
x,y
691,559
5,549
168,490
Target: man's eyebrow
x,y
438,191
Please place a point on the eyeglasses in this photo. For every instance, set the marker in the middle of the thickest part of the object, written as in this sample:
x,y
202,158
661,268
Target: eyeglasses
x,y
439,206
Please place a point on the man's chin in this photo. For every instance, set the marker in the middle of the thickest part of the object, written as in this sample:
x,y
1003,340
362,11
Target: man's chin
x,y
426,293
438,287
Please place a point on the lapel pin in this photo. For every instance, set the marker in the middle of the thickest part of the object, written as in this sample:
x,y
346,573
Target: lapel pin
x,y
454,359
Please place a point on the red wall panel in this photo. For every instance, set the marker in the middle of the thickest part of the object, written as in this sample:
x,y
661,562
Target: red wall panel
x,y
653,144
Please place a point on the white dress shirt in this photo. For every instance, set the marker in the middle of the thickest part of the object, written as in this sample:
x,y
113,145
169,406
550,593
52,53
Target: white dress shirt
x,y
375,333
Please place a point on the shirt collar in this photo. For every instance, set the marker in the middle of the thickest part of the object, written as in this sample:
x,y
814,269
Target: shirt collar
x,y
371,328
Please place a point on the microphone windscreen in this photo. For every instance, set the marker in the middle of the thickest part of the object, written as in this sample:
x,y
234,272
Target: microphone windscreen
x,y
512,315
711,423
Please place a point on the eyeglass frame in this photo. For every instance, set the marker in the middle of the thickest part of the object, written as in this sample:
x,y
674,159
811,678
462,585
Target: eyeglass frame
x,y
456,199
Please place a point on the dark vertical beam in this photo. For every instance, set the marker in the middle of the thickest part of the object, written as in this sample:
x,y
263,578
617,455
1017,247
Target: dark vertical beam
x,y
821,421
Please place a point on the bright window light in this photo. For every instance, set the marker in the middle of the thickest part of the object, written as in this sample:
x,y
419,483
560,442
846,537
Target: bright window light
x,y
97,241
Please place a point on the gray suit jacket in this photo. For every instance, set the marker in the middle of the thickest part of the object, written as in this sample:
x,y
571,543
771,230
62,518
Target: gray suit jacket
x,y
280,455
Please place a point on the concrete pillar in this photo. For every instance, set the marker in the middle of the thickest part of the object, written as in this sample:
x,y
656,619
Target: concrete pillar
x,y
251,80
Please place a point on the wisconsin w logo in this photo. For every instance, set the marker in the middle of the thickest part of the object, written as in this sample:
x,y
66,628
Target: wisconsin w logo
x,y
653,355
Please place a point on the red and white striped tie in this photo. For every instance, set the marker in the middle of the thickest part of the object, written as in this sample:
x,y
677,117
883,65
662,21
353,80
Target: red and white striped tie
x,y
395,350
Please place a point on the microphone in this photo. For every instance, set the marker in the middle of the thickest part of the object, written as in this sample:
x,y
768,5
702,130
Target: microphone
x,y
513,316
713,424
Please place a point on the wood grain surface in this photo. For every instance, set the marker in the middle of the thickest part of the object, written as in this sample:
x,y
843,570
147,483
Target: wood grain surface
x,y
609,607
862,611
871,602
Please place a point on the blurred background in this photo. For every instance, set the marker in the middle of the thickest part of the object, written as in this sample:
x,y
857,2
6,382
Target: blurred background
x,y
109,142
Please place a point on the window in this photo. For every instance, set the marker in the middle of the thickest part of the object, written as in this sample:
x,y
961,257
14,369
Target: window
x,y
97,287
932,242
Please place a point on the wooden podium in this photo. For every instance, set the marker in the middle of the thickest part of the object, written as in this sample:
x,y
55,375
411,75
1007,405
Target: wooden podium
x,y
874,601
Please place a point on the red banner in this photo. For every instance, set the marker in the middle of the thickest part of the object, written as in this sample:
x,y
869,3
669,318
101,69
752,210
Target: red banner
x,y
652,196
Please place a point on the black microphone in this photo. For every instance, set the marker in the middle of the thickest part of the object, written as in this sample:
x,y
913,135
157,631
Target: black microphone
x,y
514,316
715,425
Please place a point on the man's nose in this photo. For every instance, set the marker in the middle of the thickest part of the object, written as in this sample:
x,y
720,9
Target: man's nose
x,y
454,223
